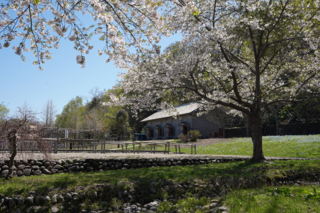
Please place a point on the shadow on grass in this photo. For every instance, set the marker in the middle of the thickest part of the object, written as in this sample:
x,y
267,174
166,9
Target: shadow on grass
x,y
64,181
147,175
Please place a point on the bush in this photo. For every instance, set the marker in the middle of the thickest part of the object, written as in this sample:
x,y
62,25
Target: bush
x,y
194,135
183,137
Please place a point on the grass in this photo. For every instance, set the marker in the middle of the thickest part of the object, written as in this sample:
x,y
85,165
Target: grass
x,y
273,146
184,205
273,199
65,182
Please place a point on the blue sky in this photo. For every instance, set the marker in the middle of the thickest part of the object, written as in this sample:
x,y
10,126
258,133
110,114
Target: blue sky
x,y
62,78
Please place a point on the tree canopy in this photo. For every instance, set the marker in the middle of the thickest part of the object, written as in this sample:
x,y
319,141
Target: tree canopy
x,y
39,25
244,55
3,111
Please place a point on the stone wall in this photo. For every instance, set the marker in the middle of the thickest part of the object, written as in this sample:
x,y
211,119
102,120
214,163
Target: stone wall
x,y
44,167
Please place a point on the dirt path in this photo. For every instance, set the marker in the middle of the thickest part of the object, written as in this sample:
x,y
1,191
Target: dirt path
x,y
210,141
141,155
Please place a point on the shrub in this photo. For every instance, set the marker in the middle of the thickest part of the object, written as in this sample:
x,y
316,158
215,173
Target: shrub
x,y
183,137
194,135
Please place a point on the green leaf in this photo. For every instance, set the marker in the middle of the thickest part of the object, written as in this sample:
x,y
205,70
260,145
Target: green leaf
x,y
36,1
195,12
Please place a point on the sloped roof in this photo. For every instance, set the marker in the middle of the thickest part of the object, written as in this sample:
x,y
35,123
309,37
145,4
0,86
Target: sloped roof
x,y
180,110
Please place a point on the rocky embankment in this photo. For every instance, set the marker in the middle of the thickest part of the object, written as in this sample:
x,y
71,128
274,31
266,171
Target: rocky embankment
x,y
142,196
136,195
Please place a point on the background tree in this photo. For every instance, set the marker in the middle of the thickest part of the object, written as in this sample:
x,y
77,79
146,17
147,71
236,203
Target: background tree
x,y
72,114
302,112
275,109
122,125
22,132
25,110
4,111
48,113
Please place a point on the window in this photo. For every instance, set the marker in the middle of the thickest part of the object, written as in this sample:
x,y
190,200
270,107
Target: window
x,y
185,130
150,133
160,132
170,131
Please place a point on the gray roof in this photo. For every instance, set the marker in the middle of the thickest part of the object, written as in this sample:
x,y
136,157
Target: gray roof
x,y
180,110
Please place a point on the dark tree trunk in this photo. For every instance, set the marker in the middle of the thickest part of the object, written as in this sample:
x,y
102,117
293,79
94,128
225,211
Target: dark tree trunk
x,y
277,125
256,136
248,128
13,141
306,122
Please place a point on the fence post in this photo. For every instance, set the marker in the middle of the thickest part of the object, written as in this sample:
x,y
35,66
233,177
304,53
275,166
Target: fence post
x,y
56,144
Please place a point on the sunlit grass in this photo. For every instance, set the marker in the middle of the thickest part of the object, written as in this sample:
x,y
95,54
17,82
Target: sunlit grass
x,y
276,146
271,200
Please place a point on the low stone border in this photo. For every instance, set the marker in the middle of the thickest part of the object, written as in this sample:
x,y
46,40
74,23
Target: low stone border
x,y
45,167
131,200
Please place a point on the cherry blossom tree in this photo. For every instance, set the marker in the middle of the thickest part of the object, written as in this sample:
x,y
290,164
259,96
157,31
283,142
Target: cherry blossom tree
x,y
41,24
244,55
241,54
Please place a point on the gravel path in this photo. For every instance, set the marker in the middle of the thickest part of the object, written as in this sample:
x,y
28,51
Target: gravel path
x,y
65,156
210,141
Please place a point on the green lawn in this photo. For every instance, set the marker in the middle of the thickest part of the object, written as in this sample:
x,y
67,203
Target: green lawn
x,y
291,199
274,199
273,146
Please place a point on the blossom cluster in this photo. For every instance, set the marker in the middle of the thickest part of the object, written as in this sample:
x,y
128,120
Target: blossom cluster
x,y
119,24
230,56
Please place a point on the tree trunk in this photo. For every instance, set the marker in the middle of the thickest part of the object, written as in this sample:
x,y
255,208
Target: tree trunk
x,y
256,136
248,127
277,125
306,122
13,141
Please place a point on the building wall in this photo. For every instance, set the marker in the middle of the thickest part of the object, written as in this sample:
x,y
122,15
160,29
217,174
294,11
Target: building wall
x,y
172,122
201,123
205,125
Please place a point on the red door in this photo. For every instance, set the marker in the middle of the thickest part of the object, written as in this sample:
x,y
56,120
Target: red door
x,y
216,134
220,132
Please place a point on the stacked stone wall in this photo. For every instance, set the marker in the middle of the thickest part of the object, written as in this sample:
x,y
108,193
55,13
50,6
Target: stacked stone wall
x,y
44,167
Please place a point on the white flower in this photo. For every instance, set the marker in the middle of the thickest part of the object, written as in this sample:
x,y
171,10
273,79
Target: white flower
x,y
122,42
6,44
72,38
56,45
112,29
133,13
81,59
18,51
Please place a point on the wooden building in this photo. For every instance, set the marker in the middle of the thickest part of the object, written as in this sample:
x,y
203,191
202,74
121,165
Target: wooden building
x,y
162,124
